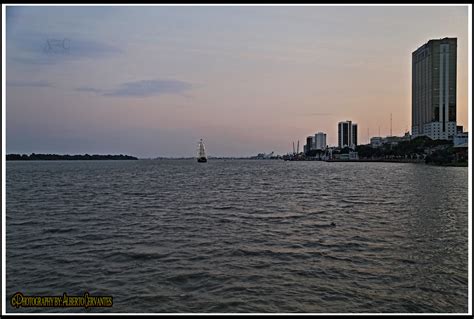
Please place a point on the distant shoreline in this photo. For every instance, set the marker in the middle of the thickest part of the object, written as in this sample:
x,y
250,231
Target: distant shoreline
x,y
194,158
87,157
67,157
379,161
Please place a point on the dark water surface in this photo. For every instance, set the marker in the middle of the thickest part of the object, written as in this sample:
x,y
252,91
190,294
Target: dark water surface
x,y
239,236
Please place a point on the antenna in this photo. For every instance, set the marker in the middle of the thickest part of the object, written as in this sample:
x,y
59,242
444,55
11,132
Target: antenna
x,y
294,148
390,124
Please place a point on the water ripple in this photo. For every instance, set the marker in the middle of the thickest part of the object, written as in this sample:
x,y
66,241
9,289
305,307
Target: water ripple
x,y
240,236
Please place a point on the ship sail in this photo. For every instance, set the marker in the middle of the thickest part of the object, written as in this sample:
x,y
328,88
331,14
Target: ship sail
x,y
201,156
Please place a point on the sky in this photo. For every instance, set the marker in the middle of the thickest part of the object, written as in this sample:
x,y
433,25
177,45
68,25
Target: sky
x,y
151,81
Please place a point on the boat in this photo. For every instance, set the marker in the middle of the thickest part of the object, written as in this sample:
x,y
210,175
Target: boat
x,y
201,156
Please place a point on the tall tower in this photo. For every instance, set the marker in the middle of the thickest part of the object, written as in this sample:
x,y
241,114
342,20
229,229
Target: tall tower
x,y
347,134
434,89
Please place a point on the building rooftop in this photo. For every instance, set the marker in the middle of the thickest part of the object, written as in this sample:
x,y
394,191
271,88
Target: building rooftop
x,y
446,39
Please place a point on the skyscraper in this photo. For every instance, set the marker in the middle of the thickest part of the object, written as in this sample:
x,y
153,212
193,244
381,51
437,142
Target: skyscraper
x,y
309,143
434,89
347,134
319,141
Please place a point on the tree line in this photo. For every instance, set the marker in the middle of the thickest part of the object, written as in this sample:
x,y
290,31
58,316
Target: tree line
x,y
67,157
438,152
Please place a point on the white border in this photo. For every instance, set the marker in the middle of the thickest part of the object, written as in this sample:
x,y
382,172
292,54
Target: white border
x,y
469,120
469,105
239,5
4,212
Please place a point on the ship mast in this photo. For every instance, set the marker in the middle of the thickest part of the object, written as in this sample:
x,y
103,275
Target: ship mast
x,y
202,152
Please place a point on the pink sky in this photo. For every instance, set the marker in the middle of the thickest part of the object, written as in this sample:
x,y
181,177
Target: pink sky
x,y
152,81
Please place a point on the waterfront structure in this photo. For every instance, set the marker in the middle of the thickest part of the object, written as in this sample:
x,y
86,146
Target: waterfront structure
x,y
351,156
265,156
347,134
378,141
461,139
434,89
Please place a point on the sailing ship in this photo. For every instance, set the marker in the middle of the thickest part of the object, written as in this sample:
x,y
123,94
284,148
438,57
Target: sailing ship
x,y
201,156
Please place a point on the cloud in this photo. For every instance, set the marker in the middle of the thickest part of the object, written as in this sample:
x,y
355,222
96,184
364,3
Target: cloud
x,y
29,84
85,48
141,88
150,88
89,89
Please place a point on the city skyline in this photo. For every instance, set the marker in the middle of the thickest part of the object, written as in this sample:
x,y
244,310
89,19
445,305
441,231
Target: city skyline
x,y
152,81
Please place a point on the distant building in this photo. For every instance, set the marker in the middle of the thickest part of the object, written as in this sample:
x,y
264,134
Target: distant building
x,y
394,140
461,139
347,134
351,156
434,89
319,141
309,143
378,141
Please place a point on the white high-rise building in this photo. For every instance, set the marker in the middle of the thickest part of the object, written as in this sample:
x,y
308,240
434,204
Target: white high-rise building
x,y
319,141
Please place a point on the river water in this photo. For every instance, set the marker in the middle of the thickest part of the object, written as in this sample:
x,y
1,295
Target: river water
x,y
238,236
